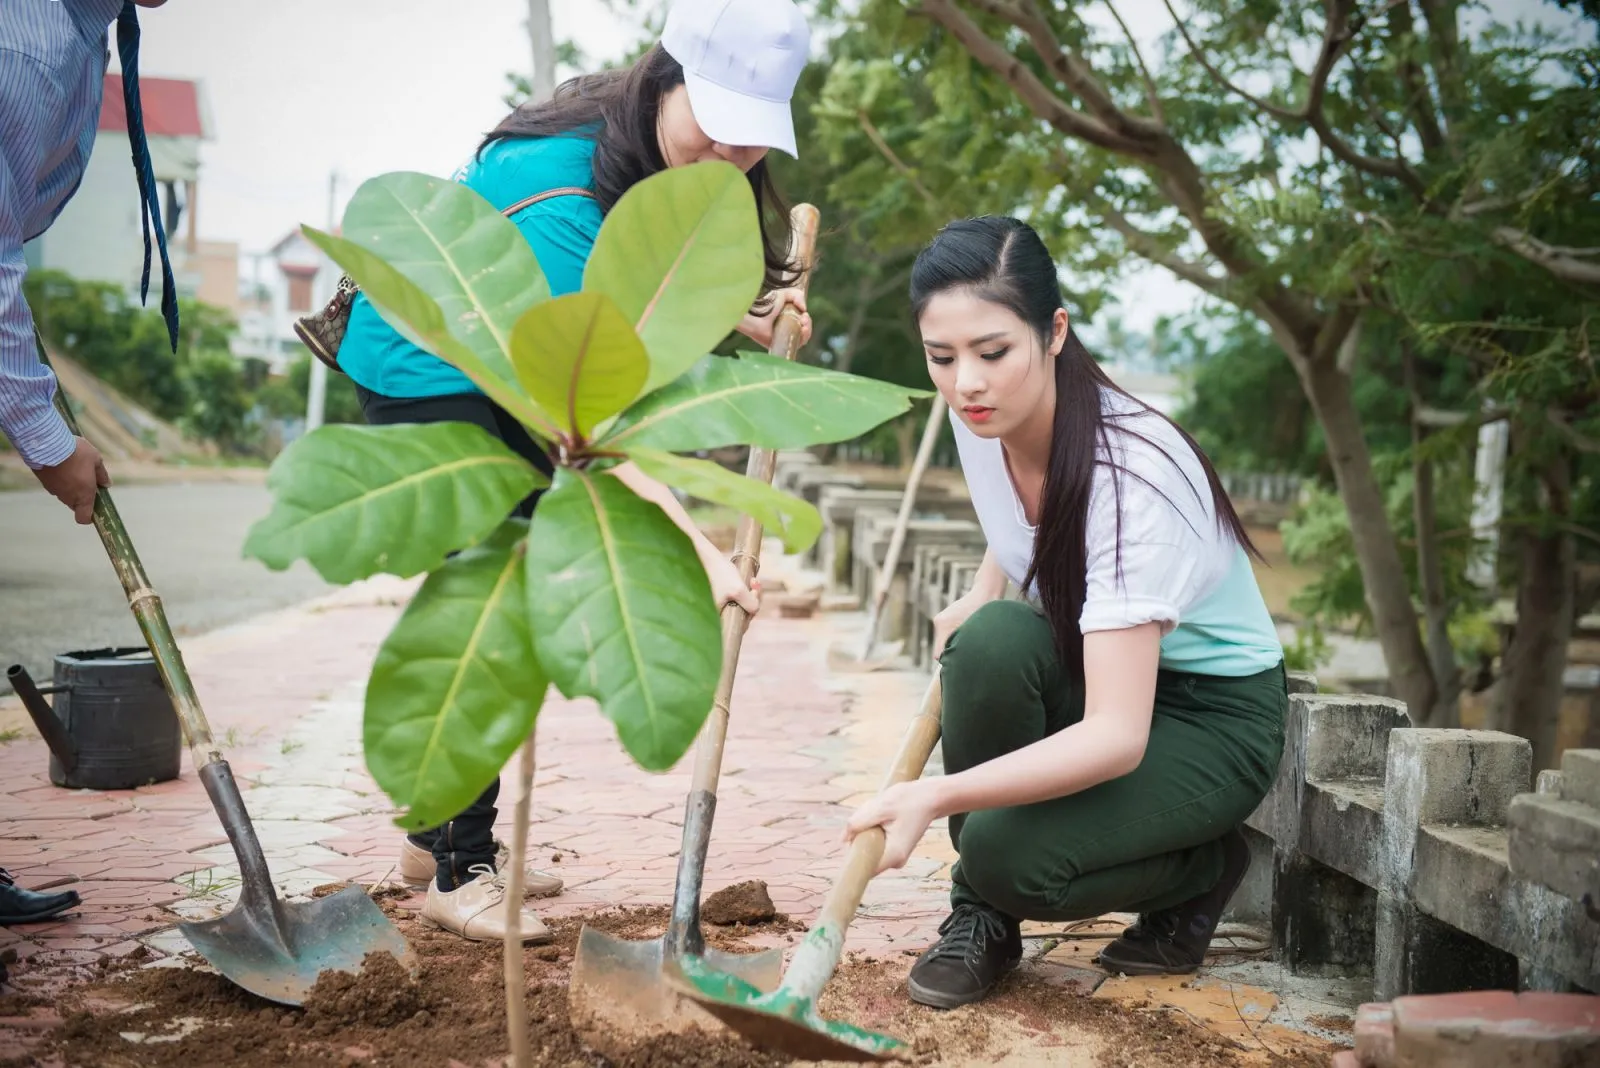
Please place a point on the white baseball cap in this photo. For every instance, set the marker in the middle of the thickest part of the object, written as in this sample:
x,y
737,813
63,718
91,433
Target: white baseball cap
x,y
741,60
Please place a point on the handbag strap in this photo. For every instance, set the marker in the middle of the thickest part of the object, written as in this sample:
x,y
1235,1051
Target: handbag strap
x,y
560,191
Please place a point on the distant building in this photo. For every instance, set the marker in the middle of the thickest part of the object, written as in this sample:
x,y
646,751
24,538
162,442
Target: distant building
x,y
99,235
278,286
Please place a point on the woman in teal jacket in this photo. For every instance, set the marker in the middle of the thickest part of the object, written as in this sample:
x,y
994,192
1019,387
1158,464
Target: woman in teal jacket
x,y
717,86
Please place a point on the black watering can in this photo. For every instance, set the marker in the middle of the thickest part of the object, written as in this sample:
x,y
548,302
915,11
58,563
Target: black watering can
x,y
113,726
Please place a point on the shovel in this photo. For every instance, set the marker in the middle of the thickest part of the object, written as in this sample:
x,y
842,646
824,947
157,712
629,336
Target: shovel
x,y
840,661
786,1019
616,988
272,948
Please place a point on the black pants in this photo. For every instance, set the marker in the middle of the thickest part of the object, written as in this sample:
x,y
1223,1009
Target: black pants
x,y
468,839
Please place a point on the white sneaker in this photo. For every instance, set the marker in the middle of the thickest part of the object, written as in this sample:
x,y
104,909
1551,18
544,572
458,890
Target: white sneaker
x,y
417,868
477,910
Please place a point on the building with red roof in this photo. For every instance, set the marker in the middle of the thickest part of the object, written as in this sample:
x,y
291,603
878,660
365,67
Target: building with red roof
x,y
98,235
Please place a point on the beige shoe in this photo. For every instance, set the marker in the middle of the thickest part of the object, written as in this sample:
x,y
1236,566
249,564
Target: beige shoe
x,y
417,868
477,910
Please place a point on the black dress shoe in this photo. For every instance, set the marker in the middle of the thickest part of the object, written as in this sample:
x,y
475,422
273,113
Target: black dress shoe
x,y
29,906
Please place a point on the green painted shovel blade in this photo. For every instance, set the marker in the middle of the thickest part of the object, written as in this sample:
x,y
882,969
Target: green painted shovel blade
x,y
780,1020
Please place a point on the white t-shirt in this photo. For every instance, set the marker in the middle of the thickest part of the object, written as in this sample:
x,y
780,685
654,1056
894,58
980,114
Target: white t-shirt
x,y
1175,557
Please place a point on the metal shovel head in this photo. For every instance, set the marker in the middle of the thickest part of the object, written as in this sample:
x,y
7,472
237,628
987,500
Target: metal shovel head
x,y
780,1020
276,949
617,991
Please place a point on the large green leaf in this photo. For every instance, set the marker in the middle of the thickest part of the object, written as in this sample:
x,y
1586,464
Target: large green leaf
x,y
420,320
456,685
579,359
681,255
621,611
454,246
796,521
755,399
355,501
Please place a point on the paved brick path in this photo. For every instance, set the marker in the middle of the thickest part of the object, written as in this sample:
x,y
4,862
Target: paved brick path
x,y
283,694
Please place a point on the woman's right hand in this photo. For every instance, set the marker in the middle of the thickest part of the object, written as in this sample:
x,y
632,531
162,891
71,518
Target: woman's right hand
x,y
955,613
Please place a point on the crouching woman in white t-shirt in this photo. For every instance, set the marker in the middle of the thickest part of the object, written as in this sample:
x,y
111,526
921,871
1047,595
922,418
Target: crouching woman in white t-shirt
x,y
1105,738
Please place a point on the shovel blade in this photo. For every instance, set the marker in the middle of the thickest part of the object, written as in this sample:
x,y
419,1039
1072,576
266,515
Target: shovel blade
x,y
277,949
780,1019
618,992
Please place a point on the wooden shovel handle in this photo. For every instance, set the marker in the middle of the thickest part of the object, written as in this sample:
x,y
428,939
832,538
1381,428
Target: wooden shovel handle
x,y
818,956
785,345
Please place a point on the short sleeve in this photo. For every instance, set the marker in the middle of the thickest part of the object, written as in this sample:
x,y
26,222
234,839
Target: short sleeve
x,y
1162,551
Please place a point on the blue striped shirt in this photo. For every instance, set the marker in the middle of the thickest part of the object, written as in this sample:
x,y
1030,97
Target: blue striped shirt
x,y
53,56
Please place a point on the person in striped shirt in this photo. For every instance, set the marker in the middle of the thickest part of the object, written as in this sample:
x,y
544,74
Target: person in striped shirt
x,y
53,58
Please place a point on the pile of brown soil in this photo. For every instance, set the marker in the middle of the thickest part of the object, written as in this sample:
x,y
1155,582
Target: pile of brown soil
x,y
453,1016
747,903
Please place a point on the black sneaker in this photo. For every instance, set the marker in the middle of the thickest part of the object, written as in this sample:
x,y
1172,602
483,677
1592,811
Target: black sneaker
x,y
1174,941
979,945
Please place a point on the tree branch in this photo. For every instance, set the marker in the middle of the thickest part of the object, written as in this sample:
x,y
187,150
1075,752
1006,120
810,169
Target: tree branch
x,y
1570,434
1150,93
1420,102
1563,263
876,137
1338,33
1070,68
1038,96
1286,114
1149,247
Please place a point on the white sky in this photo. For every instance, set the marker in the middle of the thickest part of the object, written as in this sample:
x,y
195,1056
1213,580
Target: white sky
x,y
300,89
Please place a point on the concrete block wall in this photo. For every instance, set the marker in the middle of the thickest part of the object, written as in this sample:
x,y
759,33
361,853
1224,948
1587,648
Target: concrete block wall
x,y
1387,848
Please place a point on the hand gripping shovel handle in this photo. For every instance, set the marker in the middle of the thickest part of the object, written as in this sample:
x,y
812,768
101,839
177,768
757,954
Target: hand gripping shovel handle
x,y
814,962
146,606
683,931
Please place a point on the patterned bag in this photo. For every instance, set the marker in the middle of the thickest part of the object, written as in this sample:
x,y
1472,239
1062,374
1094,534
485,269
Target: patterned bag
x,y
323,331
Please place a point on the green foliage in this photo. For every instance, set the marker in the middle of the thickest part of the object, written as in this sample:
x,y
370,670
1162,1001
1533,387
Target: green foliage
x,y
755,399
676,287
579,359
356,501
453,691
622,612
616,604
201,387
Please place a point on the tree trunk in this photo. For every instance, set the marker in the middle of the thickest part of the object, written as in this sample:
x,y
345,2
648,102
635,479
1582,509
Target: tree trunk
x,y
1529,703
1446,711
541,39
1388,589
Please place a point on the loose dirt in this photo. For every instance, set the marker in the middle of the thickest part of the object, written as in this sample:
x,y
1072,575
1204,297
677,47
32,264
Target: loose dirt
x,y
453,1016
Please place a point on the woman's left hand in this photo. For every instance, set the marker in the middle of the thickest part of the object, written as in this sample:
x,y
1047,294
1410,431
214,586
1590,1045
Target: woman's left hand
x,y
760,328
904,811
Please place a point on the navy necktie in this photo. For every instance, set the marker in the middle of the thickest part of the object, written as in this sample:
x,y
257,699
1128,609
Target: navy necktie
x,y
149,192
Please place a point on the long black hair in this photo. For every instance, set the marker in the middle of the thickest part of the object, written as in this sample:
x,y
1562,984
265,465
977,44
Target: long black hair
x,y
1003,260
619,109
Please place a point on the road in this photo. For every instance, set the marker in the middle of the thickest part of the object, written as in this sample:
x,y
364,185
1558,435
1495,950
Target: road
x,y
58,592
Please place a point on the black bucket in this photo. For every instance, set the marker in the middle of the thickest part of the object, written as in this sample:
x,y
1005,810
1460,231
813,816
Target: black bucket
x,y
112,726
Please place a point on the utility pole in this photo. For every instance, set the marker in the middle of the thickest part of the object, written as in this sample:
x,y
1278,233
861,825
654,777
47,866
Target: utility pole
x,y
542,37
317,394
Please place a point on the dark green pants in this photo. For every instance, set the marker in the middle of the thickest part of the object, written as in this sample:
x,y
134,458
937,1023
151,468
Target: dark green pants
x,y
1145,841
